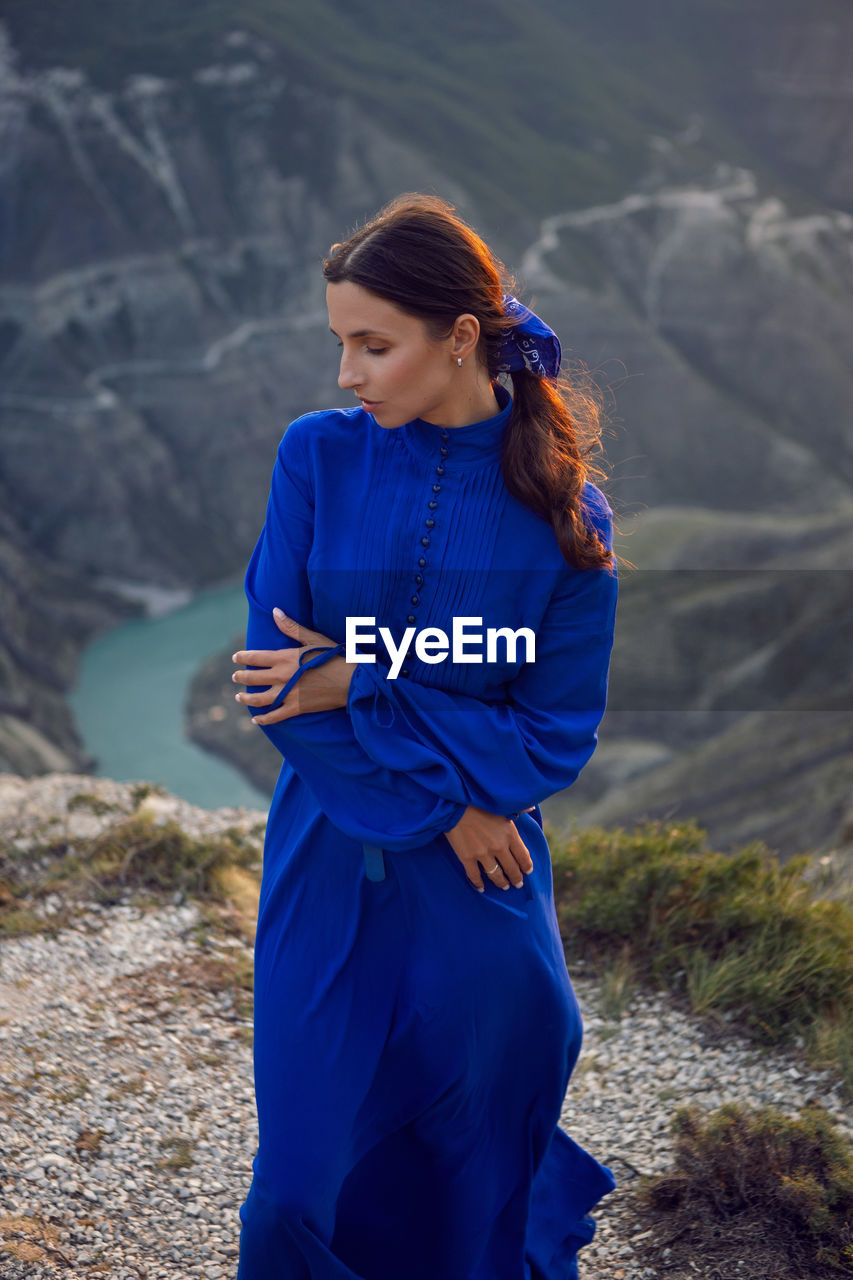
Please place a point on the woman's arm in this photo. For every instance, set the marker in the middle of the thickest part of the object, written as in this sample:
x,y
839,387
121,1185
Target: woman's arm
x,y
479,838
503,756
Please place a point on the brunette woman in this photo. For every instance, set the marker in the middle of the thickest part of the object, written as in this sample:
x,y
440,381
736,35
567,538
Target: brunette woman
x,y
415,1026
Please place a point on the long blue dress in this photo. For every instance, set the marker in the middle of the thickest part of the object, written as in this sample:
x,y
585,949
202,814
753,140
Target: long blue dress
x,y
414,1037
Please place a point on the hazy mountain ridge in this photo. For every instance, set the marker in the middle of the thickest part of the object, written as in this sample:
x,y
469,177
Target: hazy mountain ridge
x,y
794,95
541,98
558,103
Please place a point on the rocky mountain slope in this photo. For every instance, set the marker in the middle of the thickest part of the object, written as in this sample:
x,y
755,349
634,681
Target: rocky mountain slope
x,y
161,320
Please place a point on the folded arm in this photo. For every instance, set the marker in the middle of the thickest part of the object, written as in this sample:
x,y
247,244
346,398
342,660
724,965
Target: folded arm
x,y
505,755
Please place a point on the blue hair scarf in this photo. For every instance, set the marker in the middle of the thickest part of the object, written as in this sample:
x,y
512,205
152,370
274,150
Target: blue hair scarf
x,y
528,343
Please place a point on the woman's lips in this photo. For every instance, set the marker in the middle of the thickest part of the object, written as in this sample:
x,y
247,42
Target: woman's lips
x,y
370,405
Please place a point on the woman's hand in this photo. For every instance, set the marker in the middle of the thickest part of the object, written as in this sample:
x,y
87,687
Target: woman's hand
x,y
320,689
488,840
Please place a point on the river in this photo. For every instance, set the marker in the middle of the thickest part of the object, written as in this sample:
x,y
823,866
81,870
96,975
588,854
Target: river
x,y
130,696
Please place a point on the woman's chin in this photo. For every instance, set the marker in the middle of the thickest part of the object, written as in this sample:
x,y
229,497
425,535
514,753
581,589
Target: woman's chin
x,y
383,418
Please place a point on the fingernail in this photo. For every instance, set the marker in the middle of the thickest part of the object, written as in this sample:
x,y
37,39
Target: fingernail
x,y
481,888
504,886
518,884
238,697
278,613
233,657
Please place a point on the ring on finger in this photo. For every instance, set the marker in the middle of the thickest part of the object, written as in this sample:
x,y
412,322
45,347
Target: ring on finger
x,y
494,869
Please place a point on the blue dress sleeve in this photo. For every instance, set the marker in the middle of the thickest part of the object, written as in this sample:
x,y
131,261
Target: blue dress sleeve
x,y
506,755
371,802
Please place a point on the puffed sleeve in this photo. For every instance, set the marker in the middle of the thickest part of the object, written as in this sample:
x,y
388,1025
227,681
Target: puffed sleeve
x,y
370,801
506,755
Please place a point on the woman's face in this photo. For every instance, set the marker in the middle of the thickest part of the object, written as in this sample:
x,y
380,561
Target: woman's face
x,y
389,360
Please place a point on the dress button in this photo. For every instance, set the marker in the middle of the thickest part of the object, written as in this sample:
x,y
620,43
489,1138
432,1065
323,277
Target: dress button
x,y
415,600
429,523
419,577
432,504
443,451
439,471
445,434
411,618
422,562
436,488
405,672
424,542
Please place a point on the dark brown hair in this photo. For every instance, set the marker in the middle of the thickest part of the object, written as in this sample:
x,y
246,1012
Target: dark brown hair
x,y
420,255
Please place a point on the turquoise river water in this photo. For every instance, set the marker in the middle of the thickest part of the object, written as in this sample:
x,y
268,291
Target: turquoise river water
x,y
129,700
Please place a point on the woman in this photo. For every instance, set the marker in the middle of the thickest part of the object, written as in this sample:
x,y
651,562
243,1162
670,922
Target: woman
x,y
415,1027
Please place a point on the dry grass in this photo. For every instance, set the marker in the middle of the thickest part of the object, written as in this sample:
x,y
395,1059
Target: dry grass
x,y
139,858
758,1194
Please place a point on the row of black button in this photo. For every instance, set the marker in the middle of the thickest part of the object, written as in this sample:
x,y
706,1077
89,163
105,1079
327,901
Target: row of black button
x,y
429,523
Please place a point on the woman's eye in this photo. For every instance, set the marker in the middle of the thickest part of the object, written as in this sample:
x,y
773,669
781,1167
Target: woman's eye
x,y
373,351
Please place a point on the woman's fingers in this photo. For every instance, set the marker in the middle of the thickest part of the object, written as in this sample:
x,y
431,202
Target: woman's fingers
x,y
501,868
501,875
519,851
497,872
513,863
260,699
473,872
256,657
272,717
289,627
252,677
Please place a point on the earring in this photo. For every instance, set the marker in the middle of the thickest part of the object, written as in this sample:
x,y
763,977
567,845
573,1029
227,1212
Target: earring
x,y
459,361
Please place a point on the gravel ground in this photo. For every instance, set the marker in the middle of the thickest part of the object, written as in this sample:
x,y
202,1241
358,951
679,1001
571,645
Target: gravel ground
x,y
127,1121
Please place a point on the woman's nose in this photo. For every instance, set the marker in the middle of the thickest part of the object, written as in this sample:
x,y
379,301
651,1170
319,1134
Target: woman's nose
x,y
346,375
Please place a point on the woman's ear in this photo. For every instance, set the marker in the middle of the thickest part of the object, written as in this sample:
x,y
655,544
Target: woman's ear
x,y
465,336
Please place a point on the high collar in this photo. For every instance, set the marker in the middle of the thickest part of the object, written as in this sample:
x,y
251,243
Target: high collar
x,y
477,444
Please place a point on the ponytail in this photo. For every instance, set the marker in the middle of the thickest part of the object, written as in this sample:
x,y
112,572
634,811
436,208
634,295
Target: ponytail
x,y
553,431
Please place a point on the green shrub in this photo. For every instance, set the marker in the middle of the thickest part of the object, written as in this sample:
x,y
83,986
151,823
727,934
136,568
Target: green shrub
x,y
142,853
760,1183
139,853
142,790
95,805
735,932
